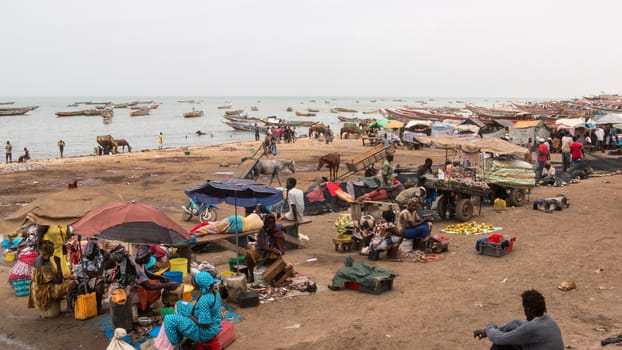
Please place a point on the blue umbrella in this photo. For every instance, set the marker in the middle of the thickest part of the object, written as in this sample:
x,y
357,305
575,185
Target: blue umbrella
x,y
236,192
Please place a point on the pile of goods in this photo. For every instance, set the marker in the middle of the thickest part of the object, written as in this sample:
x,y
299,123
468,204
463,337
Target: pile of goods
x,y
470,228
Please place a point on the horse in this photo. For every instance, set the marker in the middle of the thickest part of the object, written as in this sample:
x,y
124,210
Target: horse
x,y
349,129
317,128
122,143
332,162
272,167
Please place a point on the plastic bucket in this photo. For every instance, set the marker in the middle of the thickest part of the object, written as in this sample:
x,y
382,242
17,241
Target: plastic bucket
x,y
174,276
188,289
10,256
180,264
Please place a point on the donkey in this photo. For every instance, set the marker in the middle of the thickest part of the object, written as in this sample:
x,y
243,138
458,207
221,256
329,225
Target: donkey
x,y
331,160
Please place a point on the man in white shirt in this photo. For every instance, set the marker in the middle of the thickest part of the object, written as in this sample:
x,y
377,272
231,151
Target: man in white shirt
x,y
566,141
600,137
295,201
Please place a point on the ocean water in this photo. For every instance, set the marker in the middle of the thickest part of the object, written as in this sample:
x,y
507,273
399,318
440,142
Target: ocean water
x,y
40,130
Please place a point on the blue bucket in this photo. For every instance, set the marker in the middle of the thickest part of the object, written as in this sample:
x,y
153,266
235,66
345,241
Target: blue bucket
x,y
174,276
22,287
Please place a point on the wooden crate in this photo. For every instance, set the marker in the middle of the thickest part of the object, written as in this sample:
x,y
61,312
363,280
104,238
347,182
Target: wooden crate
x,y
278,272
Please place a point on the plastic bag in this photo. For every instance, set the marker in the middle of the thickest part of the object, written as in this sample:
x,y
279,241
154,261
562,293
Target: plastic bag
x,y
116,343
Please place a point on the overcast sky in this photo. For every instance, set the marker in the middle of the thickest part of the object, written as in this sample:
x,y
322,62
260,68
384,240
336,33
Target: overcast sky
x,y
310,48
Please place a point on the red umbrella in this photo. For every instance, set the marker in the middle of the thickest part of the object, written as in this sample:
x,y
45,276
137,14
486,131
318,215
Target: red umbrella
x,y
130,222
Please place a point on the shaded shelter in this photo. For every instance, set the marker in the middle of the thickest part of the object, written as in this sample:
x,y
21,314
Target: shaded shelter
x,y
613,118
60,208
523,130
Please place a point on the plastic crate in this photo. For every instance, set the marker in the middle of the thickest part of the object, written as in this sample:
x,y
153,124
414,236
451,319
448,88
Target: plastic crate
x,y
496,249
383,285
224,338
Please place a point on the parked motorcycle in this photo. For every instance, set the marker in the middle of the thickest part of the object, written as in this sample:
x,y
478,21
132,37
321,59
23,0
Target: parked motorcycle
x,y
205,212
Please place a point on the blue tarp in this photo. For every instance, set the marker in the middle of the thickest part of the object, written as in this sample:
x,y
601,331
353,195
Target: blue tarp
x,y
237,192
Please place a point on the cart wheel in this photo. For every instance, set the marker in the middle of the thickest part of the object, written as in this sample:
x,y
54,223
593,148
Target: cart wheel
x,y
517,197
442,207
185,215
464,209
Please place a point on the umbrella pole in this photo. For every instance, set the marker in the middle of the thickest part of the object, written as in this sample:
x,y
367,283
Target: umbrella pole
x,y
237,236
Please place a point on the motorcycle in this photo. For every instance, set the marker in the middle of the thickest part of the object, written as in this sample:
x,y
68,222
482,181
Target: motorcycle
x,y
205,212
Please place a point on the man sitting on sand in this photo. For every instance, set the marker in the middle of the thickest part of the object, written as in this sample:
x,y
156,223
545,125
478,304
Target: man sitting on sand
x,y
539,331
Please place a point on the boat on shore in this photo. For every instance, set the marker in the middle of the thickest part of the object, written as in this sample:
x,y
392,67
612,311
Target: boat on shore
x,y
240,126
193,114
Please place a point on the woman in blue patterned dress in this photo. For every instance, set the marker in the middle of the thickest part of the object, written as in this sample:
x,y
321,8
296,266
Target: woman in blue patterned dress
x,y
199,322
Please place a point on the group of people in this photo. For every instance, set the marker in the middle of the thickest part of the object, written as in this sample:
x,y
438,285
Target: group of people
x,y
8,151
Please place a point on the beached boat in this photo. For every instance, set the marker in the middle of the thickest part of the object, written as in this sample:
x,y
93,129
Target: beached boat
x,y
140,112
193,114
246,126
300,114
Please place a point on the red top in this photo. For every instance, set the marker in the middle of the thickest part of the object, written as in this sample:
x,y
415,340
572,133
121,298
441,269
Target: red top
x,y
575,150
543,153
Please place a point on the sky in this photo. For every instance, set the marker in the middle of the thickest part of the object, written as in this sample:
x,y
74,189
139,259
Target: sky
x,y
439,48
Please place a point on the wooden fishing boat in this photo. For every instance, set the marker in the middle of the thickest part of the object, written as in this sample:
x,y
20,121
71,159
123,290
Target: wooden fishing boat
x,y
246,126
92,112
289,109
343,110
70,113
300,114
140,112
235,112
370,112
313,110
14,111
193,114
225,106
7,103
188,101
355,119
254,108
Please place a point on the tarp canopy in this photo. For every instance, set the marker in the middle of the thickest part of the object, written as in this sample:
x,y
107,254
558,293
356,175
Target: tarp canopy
x,y
569,122
394,124
237,192
441,141
493,145
418,124
521,124
379,123
613,118
60,208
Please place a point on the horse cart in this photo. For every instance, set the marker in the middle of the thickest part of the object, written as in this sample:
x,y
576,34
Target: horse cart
x,y
457,198
367,159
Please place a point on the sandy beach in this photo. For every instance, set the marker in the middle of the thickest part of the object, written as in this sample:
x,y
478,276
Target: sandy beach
x,y
434,305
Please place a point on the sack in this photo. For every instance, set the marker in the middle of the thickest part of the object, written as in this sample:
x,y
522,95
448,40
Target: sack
x,y
86,306
117,343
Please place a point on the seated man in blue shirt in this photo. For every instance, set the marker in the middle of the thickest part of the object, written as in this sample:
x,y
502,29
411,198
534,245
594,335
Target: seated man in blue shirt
x,y
539,331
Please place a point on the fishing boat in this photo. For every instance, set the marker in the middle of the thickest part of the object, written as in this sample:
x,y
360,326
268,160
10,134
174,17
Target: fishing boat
x,y
193,114
154,106
313,110
189,101
7,103
235,112
300,114
374,111
70,113
254,108
92,112
14,111
245,126
355,119
289,109
225,106
140,112
343,110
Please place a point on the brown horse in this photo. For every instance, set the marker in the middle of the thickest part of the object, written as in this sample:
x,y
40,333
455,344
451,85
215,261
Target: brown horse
x,y
350,129
317,128
122,143
332,162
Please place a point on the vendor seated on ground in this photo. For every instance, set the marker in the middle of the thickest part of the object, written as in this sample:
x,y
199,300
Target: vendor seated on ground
x,y
548,174
410,192
198,322
269,247
48,283
146,287
90,272
412,225
383,193
386,237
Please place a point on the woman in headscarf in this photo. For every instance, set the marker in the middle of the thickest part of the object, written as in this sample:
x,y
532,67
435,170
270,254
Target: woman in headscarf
x,y
47,280
270,245
199,322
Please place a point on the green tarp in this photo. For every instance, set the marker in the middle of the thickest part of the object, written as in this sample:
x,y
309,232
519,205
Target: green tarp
x,y
361,273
